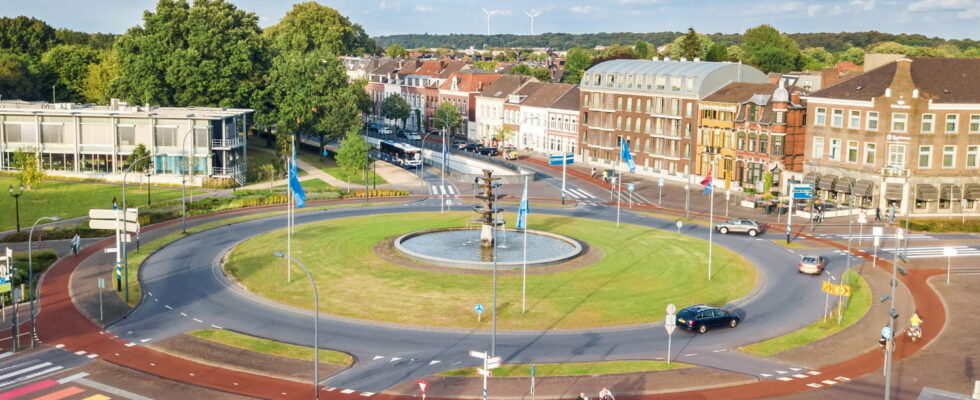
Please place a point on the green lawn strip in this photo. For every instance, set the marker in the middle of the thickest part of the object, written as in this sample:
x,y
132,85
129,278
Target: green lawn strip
x,y
329,165
571,369
686,221
311,184
642,270
73,199
271,347
136,258
859,304
795,244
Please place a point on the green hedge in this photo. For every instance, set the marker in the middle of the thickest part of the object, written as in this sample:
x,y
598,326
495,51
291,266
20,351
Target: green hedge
x,y
943,225
57,233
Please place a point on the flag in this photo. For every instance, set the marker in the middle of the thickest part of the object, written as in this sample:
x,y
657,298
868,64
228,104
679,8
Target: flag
x,y
626,156
294,185
523,210
445,154
707,182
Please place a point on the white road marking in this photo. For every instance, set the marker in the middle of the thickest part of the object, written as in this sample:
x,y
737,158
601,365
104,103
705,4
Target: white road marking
x,y
25,370
393,359
80,353
216,326
719,351
150,293
32,376
450,190
145,340
130,344
784,379
93,355
814,385
152,365
67,379
347,391
168,307
433,362
198,321
367,394
378,358
796,369
842,379
765,375
814,373
829,382
8,354
781,372
799,376
183,314
156,299
56,346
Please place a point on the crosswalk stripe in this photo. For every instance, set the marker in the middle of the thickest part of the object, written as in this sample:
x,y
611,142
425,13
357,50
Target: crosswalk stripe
x,y
435,189
450,190
25,370
32,375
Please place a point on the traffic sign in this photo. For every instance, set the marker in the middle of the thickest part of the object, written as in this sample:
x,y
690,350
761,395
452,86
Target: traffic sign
x,y
836,290
422,386
671,308
112,224
863,217
660,182
478,308
899,233
886,332
562,158
670,323
478,354
630,186
484,372
101,283
802,192
494,362
131,214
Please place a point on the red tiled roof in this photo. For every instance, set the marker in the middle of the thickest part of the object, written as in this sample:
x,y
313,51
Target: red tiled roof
x,y
470,81
943,80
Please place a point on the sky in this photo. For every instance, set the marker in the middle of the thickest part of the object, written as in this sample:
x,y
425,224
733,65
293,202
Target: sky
x,y
955,19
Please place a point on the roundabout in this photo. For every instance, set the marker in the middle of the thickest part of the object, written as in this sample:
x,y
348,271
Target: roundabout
x,y
185,290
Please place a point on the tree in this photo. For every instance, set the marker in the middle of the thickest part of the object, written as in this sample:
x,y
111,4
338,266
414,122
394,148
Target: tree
x,y
208,54
769,50
888,48
69,63
395,107
774,59
576,62
816,58
396,51
853,54
418,120
268,172
25,160
642,50
735,53
542,74
447,117
717,52
99,76
364,102
139,152
352,156
521,69
310,26
17,80
503,133
23,35
486,65
691,45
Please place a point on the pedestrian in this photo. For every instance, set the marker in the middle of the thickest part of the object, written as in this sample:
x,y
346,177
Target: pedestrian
x,y
75,244
594,172
582,396
115,205
877,213
891,214
605,394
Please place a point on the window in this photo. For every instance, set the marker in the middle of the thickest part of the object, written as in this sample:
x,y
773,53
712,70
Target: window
x,y
764,144
898,122
675,107
925,156
972,153
870,153
837,120
780,117
928,121
854,122
777,145
649,104
741,141
952,120
949,156
675,83
752,112
690,84
127,135
661,82
817,147
872,120
165,136
52,133
975,123
619,103
752,142
690,109
896,155
834,150
852,151
821,116
629,104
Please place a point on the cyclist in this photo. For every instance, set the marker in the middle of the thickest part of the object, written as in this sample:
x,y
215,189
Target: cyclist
x,y
605,394
916,322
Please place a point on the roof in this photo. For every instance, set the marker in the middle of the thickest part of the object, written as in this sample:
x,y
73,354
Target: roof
x,y
450,68
568,101
506,85
408,68
740,92
546,94
469,81
123,110
385,68
708,76
942,80
429,68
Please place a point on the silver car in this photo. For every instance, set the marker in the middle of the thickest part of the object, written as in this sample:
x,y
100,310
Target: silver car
x,y
812,265
741,226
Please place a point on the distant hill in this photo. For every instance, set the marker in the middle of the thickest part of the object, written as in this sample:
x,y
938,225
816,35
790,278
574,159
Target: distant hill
x,y
833,42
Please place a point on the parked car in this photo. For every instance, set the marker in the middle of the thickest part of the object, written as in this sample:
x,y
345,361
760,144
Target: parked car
x,y
489,151
701,317
385,130
433,133
413,136
459,144
812,265
472,147
510,153
374,127
741,226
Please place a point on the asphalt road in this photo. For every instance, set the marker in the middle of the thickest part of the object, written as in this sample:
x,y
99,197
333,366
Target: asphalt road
x,y
185,291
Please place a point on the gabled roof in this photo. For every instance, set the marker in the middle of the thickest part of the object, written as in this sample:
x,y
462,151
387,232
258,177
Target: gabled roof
x,y
429,68
506,85
469,81
943,80
546,94
450,68
568,101
408,68
384,68
525,91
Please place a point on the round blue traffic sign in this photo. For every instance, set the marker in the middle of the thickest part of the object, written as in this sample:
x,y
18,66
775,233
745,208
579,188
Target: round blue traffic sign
x,y
478,308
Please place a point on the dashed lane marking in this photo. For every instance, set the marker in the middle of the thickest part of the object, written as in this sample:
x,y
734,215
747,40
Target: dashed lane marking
x,y
690,355
168,307
367,394
719,350
765,375
814,385
393,359
59,346
842,379
198,321
216,326
150,293
829,382
799,376
183,314
814,373
433,362
130,344
781,372
80,353
377,358
145,340
785,379
92,355
347,391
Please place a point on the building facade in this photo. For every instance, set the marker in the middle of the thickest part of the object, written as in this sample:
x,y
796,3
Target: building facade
x,y
490,105
460,90
906,134
563,123
96,142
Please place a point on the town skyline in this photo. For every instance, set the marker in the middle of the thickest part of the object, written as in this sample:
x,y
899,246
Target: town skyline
x,y
950,19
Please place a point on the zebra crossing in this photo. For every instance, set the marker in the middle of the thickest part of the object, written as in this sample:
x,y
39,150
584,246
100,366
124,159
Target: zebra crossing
x,y
914,236
936,251
448,190
580,194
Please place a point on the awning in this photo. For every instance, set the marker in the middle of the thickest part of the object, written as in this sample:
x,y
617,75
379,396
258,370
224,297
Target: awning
x,y
926,192
971,191
949,192
844,185
893,191
811,179
864,188
827,182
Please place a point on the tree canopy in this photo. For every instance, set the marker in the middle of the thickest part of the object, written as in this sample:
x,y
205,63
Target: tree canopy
x,y
691,45
23,35
69,63
396,51
769,50
576,62
395,107
309,26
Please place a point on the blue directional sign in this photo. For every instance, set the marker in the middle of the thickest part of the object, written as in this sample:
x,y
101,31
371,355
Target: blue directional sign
x,y
802,192
479,308
561,158
886,332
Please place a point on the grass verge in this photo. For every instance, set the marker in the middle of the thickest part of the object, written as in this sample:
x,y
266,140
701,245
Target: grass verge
x,y
671,217
859,305
571,369
272,347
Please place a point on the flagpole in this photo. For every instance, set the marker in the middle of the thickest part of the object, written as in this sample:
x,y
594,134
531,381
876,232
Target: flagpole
x,y
524,274
619,182
711,216
289,214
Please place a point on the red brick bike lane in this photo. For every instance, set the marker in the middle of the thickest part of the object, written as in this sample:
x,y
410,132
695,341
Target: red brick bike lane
x,y
61,323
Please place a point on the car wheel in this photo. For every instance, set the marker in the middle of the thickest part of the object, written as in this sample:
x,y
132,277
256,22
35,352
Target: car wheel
x,y
723,230
734,323
702,329
753,232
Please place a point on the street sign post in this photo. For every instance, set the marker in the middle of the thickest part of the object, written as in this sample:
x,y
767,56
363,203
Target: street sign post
x,y
479,315
489,363
876,231
660,194
562,159
798,192
123,222
670,323
422,384
862,219
679,225
101,286
532,381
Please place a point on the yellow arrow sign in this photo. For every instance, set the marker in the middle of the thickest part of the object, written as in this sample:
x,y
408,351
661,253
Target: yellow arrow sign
x,y
836,290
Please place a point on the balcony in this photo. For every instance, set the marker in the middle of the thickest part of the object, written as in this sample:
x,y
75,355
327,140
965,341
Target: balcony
x,y
227,143
228,171
896,172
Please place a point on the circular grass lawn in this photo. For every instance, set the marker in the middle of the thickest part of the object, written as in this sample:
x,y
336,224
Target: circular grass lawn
x,y
641,271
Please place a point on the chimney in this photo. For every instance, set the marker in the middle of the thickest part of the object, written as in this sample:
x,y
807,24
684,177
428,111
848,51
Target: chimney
x,y
903,73
113,104
794,98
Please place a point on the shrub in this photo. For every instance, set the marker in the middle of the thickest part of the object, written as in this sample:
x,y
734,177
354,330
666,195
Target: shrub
x,y
943,225
376,193
57,233
219,183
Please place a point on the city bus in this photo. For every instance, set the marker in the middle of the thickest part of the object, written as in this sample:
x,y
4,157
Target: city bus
x,y
400,154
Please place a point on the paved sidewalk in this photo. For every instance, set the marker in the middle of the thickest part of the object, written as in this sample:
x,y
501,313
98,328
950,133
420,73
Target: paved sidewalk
x,y
397,177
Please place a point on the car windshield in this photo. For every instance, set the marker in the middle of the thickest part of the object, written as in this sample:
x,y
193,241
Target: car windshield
x,y
686,314
809,260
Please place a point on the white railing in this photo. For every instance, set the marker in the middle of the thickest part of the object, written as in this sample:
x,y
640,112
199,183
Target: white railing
x,y
232,142
238,169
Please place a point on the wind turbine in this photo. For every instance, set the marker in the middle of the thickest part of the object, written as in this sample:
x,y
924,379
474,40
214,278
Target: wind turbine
x,y
489,13
532,14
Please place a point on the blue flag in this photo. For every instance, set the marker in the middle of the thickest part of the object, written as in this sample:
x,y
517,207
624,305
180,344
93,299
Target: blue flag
x,y
523,210
626,156
294,185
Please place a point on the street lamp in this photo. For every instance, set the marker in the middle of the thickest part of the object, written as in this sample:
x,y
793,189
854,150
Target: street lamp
x,y
183,182
949,252
316,325
122,243
892,314
711,216
16,197
30,271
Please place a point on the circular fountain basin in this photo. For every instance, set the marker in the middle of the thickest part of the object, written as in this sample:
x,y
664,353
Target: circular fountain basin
x,y
461,248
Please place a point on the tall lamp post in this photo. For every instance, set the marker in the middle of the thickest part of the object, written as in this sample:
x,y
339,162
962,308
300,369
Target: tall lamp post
x,y
316,324
16,196
122,243
183,181
711,216
30,272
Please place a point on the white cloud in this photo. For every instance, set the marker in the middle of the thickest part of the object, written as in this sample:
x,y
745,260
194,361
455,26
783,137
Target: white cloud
x,y
811,11
864,5
970,13
771,9
584,9
941,5
502,12
423,8
836,10
389,5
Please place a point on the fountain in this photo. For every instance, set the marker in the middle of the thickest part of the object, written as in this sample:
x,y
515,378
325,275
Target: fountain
x,y
466,247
